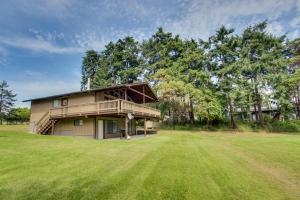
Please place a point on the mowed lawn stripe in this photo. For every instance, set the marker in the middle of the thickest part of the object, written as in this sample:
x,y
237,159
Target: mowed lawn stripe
x,y
244,176
60,171
278,176
230,174
170,165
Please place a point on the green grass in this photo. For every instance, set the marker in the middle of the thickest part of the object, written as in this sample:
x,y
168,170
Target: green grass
x,y
170,165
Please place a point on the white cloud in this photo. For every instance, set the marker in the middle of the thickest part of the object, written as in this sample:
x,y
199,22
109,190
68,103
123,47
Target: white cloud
x,y
45,8
3,55
295,22
40,88
34,84
71,9
93,40
36,74
275,28
295,34
204,17
3,51
49,36
37,44
90,40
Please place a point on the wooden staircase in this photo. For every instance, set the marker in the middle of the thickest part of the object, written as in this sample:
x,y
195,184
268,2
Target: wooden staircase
x,y
45,123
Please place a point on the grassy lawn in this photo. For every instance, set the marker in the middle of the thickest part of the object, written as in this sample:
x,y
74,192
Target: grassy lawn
x,y
170,165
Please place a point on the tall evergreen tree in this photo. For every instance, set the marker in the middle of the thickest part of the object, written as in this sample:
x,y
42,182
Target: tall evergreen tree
x,y
103,77
7,99
157,53
224,55
90,65
294,71
186,84
262,56
122,60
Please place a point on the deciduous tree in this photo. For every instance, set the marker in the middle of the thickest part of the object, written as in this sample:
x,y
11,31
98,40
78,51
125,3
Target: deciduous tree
x,y
7,99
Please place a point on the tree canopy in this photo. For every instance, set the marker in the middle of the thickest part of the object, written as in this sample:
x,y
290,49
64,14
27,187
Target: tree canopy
x,y
229,75
7,99
18,115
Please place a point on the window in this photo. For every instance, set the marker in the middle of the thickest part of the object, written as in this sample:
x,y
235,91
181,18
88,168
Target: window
x,y
112,127
78,122
64,102
131,126
55,103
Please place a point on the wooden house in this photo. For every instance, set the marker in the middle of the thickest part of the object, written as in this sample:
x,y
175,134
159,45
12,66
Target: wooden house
x,y
98,113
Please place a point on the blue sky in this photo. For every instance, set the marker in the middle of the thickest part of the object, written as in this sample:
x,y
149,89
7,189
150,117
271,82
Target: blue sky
x,y
42,42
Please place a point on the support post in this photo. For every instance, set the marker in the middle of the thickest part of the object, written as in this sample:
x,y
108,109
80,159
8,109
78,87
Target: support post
x,y
126,127
52,127
143,94
126,94
145,128
95,128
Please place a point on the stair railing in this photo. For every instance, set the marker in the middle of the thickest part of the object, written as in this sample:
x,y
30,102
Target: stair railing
x,y
42,121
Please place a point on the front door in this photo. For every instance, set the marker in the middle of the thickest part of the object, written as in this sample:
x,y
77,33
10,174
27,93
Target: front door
x,y
100,129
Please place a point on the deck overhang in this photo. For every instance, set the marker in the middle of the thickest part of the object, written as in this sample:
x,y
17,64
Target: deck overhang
x,y
116,107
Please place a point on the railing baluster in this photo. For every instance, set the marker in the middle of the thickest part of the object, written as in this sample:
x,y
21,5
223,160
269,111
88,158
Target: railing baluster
x,y
118,105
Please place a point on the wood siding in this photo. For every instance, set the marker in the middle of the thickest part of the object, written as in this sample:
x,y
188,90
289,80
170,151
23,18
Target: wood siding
x,y
99,96
83,98
38,109
66,127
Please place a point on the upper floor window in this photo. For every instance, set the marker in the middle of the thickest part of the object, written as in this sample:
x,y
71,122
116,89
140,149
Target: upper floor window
x,y
56,103
64,101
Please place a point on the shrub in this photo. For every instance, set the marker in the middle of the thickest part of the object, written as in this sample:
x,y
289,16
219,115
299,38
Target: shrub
x,y
244,126
284,126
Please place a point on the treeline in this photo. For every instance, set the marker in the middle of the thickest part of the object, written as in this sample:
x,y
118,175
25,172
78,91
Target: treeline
x,y
225,76
8,114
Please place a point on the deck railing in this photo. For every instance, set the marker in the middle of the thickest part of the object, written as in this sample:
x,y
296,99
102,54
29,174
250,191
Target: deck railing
x,y
104,107
128,106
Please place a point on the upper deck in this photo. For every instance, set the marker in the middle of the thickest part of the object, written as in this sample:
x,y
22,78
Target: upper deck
x,y
111,107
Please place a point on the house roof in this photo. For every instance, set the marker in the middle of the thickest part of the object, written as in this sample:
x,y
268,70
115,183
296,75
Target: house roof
x,y
134,91
263,108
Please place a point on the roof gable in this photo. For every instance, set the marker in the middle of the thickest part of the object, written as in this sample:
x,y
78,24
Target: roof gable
x,y
134,91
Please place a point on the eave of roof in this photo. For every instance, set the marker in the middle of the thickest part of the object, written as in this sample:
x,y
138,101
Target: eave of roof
x,y
93,90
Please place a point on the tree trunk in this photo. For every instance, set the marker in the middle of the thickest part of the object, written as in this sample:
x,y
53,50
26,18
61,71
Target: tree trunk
x,y
243,112
1,114
276,116
250,116
258,102
173,117
249,109
170,119
297,99
192,119
255,112
232,120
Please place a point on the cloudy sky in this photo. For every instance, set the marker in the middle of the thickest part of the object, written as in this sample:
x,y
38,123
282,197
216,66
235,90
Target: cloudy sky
x,y
42,42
